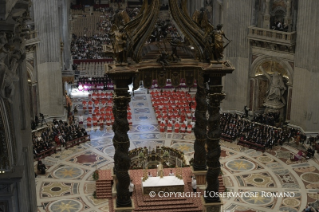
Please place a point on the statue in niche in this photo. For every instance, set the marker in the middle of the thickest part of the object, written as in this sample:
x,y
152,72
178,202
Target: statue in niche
x,y
276,88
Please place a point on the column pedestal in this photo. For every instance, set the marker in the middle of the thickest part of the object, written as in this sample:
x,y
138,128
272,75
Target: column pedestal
x,y
123,209
114,191
200,177
211,207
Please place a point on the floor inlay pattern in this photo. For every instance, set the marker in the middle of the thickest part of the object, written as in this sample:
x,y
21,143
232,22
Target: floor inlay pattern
x,y
68,185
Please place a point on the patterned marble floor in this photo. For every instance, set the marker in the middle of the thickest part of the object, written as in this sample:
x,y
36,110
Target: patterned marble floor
x,y
68,185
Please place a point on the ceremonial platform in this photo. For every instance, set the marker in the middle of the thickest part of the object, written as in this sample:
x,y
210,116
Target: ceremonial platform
x,y
144,202
166,184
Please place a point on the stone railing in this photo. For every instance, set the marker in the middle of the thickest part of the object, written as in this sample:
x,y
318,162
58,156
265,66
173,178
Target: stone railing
x,y
272,36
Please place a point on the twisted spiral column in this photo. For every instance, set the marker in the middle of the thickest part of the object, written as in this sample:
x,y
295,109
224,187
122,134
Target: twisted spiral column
x,y
121,144
213,148
200,129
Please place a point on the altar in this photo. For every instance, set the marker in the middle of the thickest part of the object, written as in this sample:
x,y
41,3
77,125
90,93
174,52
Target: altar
x,y
165,184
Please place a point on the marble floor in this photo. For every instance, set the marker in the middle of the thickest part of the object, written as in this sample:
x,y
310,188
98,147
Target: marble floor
x,y
68,185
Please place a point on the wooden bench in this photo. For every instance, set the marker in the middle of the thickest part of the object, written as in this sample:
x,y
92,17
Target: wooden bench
x,y
45,153
77,141
251,145
226,137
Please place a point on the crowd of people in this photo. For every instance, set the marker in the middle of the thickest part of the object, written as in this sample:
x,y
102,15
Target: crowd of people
x,y
56,135
90,47
162,29
234,126
95,83
83,47
267,119
277,25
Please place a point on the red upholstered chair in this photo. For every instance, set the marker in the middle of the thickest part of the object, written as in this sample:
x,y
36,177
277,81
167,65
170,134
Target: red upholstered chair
x,y
169,127
162,127
89,122
189,128
90,105
176,130
85,105
94,121
101,122
108,121
183,128
130,120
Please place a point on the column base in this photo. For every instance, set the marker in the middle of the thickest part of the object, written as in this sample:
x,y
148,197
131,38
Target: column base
x,y
211,207
124,209
114,191
200,176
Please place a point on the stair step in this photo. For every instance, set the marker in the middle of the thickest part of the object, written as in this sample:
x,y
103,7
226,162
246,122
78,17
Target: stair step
x,y
165,208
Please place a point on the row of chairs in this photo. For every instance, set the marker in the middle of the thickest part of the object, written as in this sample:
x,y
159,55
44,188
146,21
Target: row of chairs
x,y
95,86
174,110
177,127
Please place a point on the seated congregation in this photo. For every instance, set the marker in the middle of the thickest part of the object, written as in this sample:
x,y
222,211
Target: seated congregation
x,y
260,136
54,137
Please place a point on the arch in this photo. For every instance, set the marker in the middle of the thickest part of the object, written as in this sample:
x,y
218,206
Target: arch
x,y
260,60
278,9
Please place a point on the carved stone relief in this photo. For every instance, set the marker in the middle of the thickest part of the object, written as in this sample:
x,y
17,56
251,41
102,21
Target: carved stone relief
x,y
12,54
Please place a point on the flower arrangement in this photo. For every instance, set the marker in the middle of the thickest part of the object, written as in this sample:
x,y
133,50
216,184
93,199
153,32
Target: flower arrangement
x,y
96,175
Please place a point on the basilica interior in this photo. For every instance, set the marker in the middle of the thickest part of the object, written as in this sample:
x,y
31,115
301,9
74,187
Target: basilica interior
x,y
159,105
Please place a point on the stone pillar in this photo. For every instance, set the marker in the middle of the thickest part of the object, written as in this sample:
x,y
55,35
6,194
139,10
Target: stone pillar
x,y
288,15
266,23
289,101
215,97
212,207
17,183
121,143
200,130
251,94
47,23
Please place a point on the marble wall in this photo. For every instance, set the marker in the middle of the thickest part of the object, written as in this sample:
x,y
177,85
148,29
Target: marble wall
x,y
236,18
48,23
305,97
50,88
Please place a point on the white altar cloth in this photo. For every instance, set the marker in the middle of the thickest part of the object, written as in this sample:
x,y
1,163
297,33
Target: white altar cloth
x,y
161,182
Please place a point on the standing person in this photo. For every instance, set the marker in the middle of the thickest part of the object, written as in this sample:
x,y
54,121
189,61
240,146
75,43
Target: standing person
x,y
246,111
194,184
131,188
171,173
